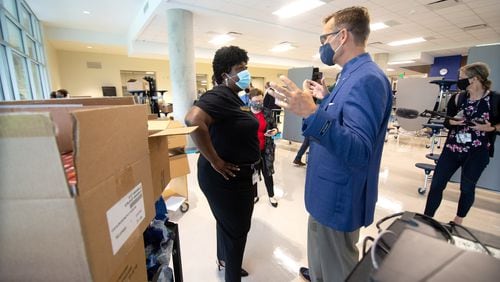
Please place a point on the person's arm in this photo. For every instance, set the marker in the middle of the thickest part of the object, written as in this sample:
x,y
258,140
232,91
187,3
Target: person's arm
x,y
351,132
201,137
451,111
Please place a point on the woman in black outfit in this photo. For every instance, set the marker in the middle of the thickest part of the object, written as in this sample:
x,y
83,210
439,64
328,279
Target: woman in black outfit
x,y
227,140
470,141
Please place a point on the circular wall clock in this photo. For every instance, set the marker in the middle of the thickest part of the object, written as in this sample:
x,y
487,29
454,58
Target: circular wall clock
x,y
443,71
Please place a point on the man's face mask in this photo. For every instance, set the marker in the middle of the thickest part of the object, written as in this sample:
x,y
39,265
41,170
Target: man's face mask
x,y
326,52
244,79
462,84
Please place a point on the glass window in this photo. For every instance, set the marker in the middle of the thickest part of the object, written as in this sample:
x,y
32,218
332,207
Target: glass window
x,y
25,19
21,77
4,75
31,48
37,83
14,35
10,5
2,98
36,29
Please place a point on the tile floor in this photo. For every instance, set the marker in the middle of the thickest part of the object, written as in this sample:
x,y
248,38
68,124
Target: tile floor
x,y
276,246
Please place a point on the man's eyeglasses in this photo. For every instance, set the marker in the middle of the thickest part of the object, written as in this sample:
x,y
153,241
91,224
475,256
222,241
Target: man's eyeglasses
x,y
323,37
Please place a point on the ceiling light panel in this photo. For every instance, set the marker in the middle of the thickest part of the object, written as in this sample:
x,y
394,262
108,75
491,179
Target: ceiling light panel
x,y
378,26
221,39
297,7
407,41
401,62
283,47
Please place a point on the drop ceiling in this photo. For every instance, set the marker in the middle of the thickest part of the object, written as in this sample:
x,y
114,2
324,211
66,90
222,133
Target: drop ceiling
x,y
447,25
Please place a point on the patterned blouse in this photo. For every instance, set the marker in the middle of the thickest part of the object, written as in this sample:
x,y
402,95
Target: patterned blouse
x,y
473,110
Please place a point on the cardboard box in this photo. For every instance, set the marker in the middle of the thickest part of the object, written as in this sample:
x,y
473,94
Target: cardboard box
x,y
98,101
166,108
160,132
50,232
179,165
134,266
138,85
60,109
175,194
160,164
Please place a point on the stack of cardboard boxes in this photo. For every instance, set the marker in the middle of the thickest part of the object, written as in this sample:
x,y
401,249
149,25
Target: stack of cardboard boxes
x,y
91,231
167,140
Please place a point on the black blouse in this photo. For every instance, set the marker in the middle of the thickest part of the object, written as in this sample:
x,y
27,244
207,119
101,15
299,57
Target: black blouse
x,y
473,110
234,130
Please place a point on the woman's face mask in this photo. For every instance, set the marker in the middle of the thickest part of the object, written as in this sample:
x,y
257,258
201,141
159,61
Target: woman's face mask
x,y
462,84
256,106
244,79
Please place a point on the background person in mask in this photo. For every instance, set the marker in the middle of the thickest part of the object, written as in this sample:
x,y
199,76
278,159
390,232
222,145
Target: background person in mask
x,y
267,129
347,132
470,141
269,102
227,140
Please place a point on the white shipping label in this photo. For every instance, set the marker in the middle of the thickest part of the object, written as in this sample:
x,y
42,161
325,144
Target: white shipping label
x,y
125,216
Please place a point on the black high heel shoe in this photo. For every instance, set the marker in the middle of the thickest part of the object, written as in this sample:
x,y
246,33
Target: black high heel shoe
x,y
221,266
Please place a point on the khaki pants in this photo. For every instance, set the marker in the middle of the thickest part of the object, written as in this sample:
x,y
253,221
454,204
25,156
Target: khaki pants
x,y
331,254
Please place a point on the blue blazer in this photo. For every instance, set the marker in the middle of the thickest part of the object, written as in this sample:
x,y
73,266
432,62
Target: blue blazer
x,y
347,137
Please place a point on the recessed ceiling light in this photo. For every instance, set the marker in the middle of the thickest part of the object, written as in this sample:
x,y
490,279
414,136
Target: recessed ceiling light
x,y
89,47
390,69
400,62
377,26
283,47
407,41
86,12
297,7
221,39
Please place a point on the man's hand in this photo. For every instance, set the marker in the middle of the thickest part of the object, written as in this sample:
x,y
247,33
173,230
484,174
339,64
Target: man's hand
x,y
319,90
224,168
290,97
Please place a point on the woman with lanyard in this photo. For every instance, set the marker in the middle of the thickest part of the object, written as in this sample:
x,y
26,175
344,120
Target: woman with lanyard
x,y
470,140
227,140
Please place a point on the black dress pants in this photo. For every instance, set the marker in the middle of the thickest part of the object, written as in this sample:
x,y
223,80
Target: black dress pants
x,y
231,203
268,178
473,165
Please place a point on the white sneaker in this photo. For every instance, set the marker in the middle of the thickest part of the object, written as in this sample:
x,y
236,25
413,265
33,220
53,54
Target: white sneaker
x,y
273,202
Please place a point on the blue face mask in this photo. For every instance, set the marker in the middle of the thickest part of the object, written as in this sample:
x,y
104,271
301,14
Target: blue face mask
x,y
244,79
326,53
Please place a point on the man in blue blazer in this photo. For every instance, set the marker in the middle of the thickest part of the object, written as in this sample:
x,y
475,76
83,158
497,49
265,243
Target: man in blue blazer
x,y
347,133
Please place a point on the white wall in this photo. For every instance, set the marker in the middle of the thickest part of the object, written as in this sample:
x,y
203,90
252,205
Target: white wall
x,y
82,81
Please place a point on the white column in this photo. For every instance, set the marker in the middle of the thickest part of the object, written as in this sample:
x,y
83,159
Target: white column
x,y
182,65
181,58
